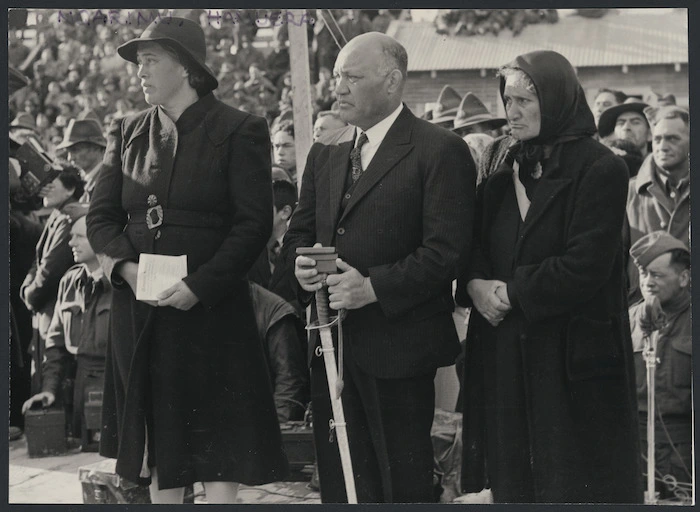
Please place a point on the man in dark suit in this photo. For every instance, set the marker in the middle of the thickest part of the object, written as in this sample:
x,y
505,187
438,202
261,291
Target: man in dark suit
x,y
394,194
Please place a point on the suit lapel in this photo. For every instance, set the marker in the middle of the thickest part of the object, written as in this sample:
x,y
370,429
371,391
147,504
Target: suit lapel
x,y
395,146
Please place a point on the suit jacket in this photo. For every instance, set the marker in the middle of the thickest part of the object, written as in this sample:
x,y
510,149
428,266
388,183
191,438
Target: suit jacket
x,y
407,226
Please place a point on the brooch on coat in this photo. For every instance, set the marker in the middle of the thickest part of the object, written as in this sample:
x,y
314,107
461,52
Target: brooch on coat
x,y
537,173
154,215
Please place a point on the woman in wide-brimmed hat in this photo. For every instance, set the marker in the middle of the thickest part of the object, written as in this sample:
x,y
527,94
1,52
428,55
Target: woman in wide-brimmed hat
x,y
187,396
550,406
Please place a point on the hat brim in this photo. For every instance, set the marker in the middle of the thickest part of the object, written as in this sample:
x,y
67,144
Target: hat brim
x,y
488,119
66,145
608,119
446,115
25,127
127,51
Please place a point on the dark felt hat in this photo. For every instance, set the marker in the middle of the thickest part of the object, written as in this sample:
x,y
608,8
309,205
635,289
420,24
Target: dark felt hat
x,y
447,105
471,111
651,246
24,120
606,123
82,130
186,35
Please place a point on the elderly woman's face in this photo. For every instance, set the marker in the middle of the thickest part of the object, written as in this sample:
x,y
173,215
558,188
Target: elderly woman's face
x,y
522,109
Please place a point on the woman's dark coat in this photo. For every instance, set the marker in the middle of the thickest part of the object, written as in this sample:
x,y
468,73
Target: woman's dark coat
x,y
571,328
200,372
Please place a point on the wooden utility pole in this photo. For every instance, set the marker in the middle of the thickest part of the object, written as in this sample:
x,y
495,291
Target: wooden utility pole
x,y
301,86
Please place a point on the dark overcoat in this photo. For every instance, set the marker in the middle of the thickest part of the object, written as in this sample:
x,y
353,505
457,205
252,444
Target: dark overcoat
x,y
569,328
197,378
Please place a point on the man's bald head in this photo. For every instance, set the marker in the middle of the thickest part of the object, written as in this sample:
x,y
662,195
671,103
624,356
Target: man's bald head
x,y
389,52
370,74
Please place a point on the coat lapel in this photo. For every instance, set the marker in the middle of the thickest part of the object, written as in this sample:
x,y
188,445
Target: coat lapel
x,y
395,146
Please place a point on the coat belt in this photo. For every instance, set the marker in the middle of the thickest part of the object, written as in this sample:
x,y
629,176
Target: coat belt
x,y
173,217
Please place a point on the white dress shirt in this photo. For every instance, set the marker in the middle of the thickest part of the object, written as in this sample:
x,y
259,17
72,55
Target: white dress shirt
x,y
375,136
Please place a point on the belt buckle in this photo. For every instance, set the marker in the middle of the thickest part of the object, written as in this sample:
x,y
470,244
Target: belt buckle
x,y
154,216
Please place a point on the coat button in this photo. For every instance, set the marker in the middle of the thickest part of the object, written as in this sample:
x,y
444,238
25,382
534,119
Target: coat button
x,y
348,196
662,224
341,231
158,234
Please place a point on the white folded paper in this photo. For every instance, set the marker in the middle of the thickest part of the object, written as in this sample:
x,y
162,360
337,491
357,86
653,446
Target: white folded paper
x,y
157,273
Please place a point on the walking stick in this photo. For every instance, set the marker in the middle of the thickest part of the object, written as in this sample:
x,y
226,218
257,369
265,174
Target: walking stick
x,y
653,320
324,256
649,354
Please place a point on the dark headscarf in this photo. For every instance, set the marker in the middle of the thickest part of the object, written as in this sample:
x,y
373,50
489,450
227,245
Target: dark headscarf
x,y
564,111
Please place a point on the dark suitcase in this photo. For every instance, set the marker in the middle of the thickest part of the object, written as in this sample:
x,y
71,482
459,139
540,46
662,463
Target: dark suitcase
x,y
45,429
298,440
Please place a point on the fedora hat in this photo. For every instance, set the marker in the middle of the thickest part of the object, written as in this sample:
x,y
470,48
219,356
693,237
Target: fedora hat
x,y
447,105
471,111
186,35
606,123
24,120
82,130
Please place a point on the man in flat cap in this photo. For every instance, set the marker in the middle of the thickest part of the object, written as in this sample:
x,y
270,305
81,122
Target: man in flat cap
x,y
664,274
659,196
85,147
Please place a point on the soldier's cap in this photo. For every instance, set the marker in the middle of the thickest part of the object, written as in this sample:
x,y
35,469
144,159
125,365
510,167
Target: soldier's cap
x,y
651,246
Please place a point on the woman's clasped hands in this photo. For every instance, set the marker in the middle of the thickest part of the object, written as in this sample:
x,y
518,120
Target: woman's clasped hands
x,y
490,298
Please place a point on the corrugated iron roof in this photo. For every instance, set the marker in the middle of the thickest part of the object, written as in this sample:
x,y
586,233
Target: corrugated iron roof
x,y
614,40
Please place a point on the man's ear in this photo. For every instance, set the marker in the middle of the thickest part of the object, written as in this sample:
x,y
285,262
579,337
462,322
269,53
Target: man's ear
x,y
685,278
395,79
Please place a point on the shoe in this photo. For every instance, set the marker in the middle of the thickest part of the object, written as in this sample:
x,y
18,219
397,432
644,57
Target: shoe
x,y
15,433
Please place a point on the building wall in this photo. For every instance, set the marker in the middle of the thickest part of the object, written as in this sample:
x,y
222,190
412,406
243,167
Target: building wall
x,y
422,88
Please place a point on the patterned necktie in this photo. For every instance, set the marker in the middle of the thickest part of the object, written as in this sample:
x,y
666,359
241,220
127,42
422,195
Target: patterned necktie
x,y
356,158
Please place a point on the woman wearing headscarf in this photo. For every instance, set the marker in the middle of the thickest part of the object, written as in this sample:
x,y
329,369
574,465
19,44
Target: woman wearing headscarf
x,y
549,407
187,395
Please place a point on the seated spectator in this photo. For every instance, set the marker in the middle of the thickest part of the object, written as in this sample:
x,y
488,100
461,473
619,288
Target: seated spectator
x,y
664,274
76,342
629,153
23,127
382,20
257,80
327,121
284,150
324,89
277,62
265,271
85,147
284,341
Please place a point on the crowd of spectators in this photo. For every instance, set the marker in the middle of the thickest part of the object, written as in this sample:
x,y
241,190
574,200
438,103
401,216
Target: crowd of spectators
x,y
75,72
